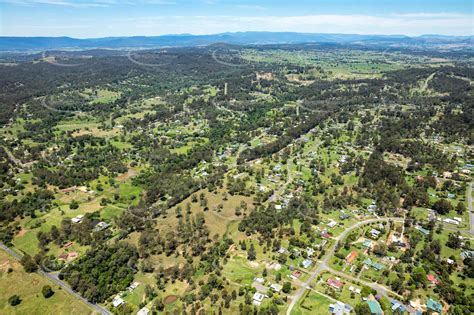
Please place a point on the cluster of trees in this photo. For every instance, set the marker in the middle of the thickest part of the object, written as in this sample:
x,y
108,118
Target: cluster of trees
x,y
103,271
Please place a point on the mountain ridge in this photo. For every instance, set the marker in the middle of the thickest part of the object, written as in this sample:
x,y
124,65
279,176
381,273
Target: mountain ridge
x,y
13,43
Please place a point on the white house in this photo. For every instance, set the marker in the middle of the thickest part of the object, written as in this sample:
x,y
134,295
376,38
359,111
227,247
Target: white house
x,y
143,311
117,301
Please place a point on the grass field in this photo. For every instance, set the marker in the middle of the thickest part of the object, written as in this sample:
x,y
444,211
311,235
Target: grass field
x,y
28,286
312,303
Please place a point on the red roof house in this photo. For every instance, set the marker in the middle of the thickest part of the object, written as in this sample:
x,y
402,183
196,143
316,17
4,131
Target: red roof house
x,y
335,283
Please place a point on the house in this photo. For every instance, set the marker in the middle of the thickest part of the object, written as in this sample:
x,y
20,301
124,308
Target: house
x,y
77,219
133,286
357,291
296,274
117,301
321,245
450,261
258,298
422,230
259,280
344,216
340,308
434,305
276,287
432,279
451,221
351,257
310,252
374,307
467,254
332,223
307,263
373,264
69,244
143,311
282,250
101,226
367,244
335,283
375,233
397,306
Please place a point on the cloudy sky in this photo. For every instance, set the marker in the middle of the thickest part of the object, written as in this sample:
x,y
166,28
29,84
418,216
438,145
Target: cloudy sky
x,y
99,18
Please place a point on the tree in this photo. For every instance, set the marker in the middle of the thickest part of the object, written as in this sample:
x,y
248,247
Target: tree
x,y
454,240
442,206
362,309
286,287
47,291
28,263
460,208
159,305
74,205
14,300
251,254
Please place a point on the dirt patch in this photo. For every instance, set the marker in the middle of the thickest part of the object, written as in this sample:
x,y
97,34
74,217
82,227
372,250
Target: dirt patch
x,y
254,264
130,173
170,299
4,265
22,232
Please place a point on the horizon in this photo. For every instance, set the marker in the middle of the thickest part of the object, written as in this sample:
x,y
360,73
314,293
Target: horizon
x,y
222,33
115,18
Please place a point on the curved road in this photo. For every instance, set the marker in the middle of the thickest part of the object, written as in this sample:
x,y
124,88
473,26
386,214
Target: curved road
x,y
54,278
324,263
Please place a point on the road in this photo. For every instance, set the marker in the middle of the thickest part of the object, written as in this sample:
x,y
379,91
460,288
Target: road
x,y
54,278
323,265
289,179
471,210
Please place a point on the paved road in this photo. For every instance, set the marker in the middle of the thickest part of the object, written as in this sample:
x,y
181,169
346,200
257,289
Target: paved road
x,y
471,210
324,263
54,278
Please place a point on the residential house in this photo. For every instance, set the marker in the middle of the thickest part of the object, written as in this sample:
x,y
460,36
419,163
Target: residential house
x,y
307,263
258,298
432,279
117,301
374,307
340,308
259,280
367,244
276,287
451,221
375,234
351,257
373,264
77,219
101,226
422,230
335,283
143,311
467,254
434,305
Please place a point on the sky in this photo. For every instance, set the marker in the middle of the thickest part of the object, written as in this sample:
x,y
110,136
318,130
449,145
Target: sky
x,y
102,18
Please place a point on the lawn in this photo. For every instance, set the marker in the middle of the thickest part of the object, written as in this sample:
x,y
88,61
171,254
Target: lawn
x,y
312,303
28,286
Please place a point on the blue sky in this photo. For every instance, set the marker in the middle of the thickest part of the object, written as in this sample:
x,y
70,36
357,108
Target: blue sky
x,y
99,18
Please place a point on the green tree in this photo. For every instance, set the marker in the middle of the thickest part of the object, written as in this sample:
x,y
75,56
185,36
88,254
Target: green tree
x,y
47,291
14,300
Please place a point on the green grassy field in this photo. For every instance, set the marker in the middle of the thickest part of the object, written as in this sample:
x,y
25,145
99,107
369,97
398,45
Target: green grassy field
x,y
28,286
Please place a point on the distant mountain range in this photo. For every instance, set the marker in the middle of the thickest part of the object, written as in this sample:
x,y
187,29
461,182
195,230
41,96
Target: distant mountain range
x,y
241,38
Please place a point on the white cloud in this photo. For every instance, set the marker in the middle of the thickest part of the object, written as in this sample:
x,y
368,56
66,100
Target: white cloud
x,y
408,24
